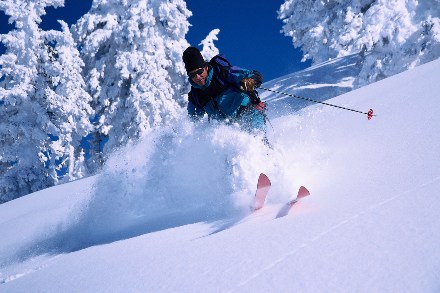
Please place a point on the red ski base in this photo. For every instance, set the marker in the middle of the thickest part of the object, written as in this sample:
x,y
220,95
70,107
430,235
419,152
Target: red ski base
x,y
263,186
302,192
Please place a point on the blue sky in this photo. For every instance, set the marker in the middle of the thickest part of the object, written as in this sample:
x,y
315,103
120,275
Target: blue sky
x,y
249,34
249,31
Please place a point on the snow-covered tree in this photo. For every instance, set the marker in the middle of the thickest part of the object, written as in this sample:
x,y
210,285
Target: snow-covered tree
x,y
68,102
44,109
392,35
132,51
209,49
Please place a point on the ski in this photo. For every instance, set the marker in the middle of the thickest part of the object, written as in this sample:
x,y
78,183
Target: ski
x,y
263,186
302,192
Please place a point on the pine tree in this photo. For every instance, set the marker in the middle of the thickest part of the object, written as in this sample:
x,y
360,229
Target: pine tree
x,y
209,49
69,103
132,51
42,118
392,36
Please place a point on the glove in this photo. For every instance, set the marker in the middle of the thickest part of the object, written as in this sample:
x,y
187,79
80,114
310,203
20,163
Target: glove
x,y
247,84
258,78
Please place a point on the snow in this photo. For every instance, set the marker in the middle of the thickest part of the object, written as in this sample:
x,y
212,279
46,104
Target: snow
x,y
170,214
393,35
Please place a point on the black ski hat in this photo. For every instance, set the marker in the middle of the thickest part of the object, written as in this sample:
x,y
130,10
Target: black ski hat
x,y
193,59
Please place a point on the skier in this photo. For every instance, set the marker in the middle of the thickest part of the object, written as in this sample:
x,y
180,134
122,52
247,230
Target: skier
x,y
224,92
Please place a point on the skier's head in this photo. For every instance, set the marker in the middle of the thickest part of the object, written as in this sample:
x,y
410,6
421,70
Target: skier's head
x,y
195,65
193,59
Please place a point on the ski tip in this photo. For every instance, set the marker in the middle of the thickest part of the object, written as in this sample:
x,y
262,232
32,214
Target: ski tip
x,y
263,186
263,180
303,192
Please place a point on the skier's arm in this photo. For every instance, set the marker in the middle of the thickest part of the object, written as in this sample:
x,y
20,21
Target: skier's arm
x,y
236,75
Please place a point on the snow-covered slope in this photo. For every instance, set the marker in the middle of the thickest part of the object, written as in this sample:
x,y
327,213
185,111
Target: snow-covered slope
x,y
171,213
319,82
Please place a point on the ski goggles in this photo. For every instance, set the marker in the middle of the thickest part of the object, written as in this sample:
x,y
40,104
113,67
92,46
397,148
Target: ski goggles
x,y
193,74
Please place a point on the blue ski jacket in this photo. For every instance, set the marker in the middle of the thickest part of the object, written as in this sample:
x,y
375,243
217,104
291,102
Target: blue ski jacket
x,y
221,98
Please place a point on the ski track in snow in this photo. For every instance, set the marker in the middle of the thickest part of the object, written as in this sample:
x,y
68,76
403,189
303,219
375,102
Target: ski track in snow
x,y
12,277
353,218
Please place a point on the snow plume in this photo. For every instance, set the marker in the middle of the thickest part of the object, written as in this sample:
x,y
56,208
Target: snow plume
x,y
209,49
185,174
392,36
176,176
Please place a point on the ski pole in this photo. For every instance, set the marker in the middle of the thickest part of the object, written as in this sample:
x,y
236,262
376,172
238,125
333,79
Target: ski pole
x,y
369,113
